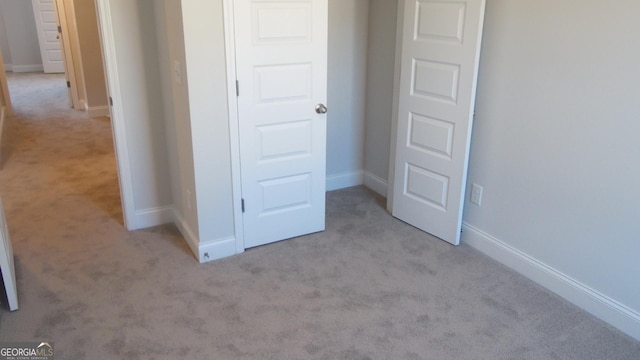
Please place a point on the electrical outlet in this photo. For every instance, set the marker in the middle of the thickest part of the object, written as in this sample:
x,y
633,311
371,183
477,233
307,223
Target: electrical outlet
x,y
476,194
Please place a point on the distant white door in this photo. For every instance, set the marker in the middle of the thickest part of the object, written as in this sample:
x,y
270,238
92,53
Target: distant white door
x,y
46,23
440,50
281,61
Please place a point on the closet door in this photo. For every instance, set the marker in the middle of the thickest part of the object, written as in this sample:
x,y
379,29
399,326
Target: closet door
x,y
440,54
281,62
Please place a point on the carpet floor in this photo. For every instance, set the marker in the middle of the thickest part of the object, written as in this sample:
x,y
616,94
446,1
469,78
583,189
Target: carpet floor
x,y
369,287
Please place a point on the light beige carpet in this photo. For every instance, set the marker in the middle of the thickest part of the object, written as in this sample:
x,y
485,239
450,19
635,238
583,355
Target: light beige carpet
x,y
370,287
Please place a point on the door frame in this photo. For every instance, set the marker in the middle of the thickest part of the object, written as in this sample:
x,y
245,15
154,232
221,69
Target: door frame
x,y
125,177
67,54
4,91
234,127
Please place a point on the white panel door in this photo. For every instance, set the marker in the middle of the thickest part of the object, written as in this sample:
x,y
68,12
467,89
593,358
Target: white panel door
x,y
47,25
440,51
281,59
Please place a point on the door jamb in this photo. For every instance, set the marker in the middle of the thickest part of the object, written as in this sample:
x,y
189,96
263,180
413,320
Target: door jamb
x,y
4,91
68,58
125,179
234,128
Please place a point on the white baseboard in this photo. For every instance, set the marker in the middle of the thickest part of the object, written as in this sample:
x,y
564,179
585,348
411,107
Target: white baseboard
x,y
188,233
97,111
345,180
204,251
216,249
152,217
376,183
8,67
27,68
611,311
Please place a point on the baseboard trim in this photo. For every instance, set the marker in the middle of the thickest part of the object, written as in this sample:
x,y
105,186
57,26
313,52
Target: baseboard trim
x,y
151,217
187,233
27,68
8,67
611,311
97,111
345,180
205,251
216,249
376,183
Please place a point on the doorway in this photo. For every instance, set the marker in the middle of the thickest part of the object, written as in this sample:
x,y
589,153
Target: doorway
x,y
57,152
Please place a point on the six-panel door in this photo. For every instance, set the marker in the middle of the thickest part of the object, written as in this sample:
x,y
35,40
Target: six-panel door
x,y
281,59
440,52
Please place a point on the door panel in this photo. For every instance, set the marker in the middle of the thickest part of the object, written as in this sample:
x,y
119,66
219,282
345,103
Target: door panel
x,y
440,51
47,26
281,61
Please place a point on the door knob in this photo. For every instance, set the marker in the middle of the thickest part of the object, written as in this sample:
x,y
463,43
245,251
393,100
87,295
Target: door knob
x,y
321,109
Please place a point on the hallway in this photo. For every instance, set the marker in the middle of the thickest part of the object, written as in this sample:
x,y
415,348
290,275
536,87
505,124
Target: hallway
x,y
73,154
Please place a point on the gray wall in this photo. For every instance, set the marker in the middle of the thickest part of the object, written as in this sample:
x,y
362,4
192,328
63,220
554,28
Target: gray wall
x,y
176,105
347,70
379,92
22,37
92,66
141,87
555,142
207,85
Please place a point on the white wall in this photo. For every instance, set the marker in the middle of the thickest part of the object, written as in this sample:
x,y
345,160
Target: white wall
x,y
555,143
22,37
176,104
347,69
379,92
207,85
138,73
95,89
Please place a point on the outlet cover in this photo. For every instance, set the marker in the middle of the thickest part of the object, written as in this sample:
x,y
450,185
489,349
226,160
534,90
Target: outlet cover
x,y
476,194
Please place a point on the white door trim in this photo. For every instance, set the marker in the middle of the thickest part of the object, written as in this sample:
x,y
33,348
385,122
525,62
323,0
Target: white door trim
x,y
67,54
234,128
4,91
117,112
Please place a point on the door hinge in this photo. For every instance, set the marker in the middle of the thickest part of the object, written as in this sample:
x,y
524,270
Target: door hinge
x,y
237,88
243,205
69,84
110,101
60,29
